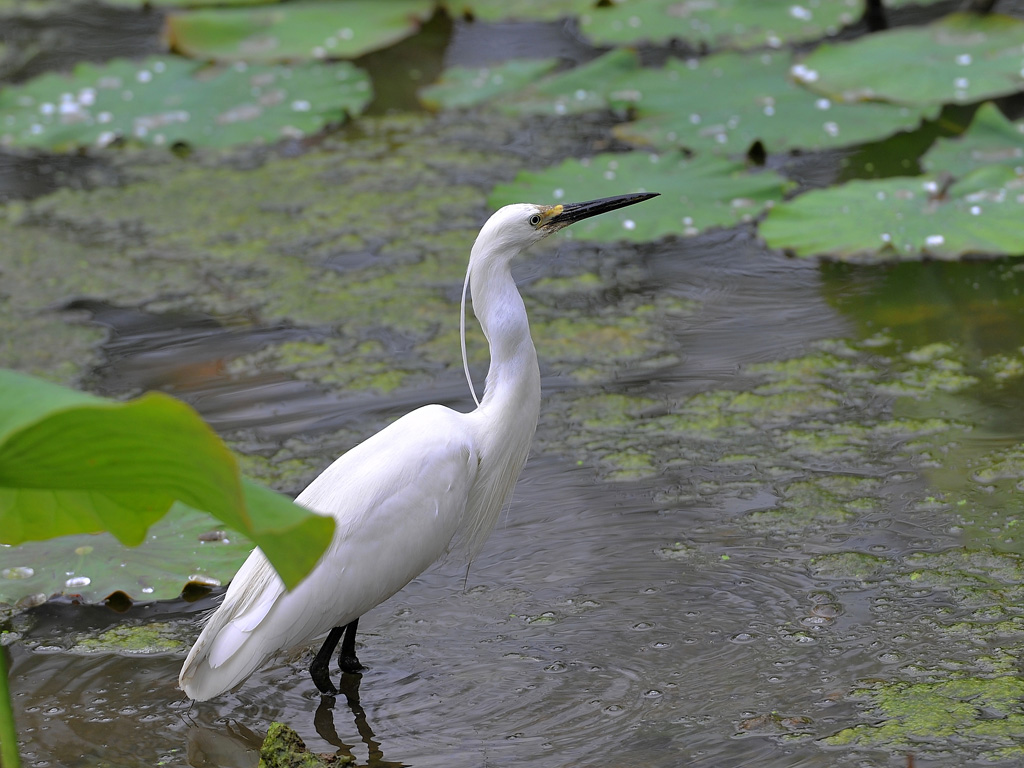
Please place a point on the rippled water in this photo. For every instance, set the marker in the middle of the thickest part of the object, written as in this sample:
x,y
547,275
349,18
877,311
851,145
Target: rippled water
x,y
603,623
658,622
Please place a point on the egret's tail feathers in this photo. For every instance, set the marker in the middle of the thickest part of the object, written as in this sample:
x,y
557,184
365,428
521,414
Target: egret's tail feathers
x,y
238,654
230,647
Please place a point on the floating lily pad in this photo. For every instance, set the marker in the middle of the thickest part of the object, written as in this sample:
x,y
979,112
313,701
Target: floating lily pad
x,y
961,58
717,23
586,88
990,140
163,100
467,86
683,105
904,218
520,10
26,7
696,193
723,103
295,31
93,566
736,23
186,3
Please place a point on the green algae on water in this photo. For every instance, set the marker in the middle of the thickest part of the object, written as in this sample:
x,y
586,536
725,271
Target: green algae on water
x,y
284,748
142,639
932,717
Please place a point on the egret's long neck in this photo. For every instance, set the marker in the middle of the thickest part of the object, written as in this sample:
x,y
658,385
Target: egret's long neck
x,y
512,394
506,418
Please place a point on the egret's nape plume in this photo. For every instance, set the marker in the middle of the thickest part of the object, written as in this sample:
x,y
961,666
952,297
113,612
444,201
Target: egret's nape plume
x,y
434,480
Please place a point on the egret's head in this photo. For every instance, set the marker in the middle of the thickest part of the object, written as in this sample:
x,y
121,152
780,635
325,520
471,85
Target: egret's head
x,y
514,228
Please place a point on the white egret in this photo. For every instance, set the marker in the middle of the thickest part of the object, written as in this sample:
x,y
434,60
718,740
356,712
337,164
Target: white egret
x,y
407,495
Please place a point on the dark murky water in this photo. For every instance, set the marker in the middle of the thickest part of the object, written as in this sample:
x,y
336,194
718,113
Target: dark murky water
x,y
658,622
578,641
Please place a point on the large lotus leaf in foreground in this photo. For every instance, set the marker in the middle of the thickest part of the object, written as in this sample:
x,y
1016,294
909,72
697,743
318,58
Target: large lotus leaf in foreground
x,y
905,218
960,59
696,193
71,463
295,31
162,100
991,139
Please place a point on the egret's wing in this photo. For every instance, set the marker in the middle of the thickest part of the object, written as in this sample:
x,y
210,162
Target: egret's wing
x,y
398,500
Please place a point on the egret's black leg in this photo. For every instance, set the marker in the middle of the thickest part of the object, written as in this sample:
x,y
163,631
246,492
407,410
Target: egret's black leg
x,y
319,670
347,660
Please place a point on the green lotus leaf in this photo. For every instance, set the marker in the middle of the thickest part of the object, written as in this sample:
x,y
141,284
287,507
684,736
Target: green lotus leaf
x,y
71,463
520,10
961,58
599,84
186,3
26,7
991,139
696,193
468,86
904,218
295,31
718,23
183,546
162,100
683,105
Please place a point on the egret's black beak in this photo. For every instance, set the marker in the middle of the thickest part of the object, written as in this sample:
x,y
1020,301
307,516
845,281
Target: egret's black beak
x,y
573,212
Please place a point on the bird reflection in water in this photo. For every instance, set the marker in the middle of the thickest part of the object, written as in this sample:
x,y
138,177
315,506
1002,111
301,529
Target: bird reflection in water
x,y
323,721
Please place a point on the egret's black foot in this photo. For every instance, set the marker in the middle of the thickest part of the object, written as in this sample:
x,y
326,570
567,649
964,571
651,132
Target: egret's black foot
x,y
322,679
347,660
320,669
350,664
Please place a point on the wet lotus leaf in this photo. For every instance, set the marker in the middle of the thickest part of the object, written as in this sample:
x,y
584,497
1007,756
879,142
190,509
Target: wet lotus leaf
x,y
904,218
961,58
466,86
696,193
186,3
519,10
26,7
682,104
991,139
733,23
295,31
162,100
592,86
93,566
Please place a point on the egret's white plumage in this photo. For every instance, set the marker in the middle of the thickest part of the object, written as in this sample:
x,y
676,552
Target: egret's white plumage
x,y
434,479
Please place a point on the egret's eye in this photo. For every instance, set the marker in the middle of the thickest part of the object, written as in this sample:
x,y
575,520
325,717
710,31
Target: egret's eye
x,y
535,220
